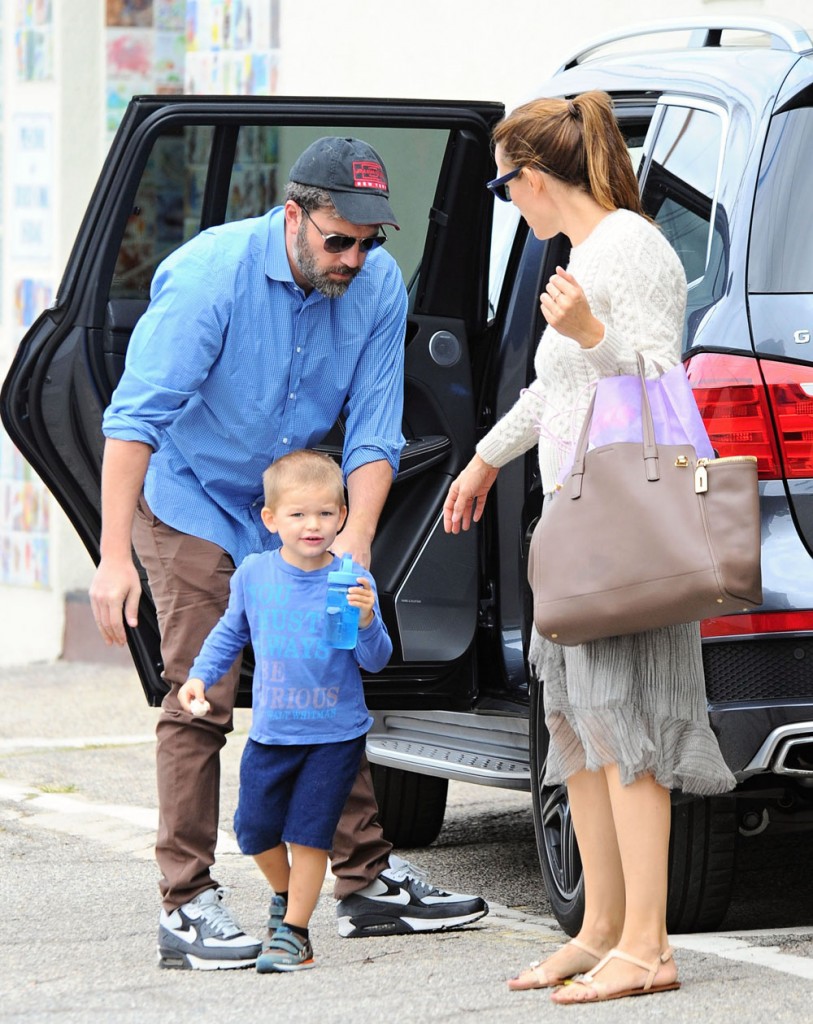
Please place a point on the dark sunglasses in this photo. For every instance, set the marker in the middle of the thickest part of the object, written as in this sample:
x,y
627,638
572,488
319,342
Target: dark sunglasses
x,y
498,185
341,243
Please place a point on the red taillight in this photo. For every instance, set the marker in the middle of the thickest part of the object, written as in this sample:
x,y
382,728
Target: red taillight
x,y
740,399
758,622
733,403
790,389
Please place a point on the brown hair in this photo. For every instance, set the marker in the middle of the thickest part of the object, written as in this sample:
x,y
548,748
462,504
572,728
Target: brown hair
x,y
304,468
577,141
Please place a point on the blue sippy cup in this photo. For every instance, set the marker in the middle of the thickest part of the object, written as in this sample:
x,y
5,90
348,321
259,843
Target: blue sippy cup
x,y
341,618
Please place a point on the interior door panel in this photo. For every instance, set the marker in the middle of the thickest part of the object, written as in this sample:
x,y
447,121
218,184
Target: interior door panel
x,y
170,173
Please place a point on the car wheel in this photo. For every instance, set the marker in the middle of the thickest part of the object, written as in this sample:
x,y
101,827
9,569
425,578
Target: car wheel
x,y
556,843
410,806
701,848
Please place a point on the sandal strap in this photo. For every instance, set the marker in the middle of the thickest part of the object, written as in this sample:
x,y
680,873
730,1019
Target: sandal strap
x,y
585,948
618,954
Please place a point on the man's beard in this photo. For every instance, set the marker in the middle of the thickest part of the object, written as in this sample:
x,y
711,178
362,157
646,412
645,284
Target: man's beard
x,y
320,279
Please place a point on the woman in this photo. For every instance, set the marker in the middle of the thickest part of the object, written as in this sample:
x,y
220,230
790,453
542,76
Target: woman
x,y
627,715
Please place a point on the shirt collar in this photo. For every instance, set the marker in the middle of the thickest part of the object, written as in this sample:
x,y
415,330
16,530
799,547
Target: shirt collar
x,y
277,266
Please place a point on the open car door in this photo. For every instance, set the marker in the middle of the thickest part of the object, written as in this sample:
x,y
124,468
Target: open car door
x,y
182,164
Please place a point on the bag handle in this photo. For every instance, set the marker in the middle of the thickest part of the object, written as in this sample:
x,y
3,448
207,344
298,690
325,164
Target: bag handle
x,y
651,463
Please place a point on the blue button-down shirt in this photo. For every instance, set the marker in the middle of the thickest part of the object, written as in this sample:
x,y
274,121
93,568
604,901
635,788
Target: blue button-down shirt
x,y
232,365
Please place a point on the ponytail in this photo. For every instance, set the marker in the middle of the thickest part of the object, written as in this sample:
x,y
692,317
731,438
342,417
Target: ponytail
x,y
577,141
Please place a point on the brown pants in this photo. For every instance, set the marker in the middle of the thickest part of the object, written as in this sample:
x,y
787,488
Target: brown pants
x,y
189,580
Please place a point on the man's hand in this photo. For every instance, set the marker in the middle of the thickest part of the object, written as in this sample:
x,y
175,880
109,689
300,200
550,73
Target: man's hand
x,y
116,587
356,544
466,499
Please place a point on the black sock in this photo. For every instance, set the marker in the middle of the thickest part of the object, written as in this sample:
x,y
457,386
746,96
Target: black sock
x,y
301,932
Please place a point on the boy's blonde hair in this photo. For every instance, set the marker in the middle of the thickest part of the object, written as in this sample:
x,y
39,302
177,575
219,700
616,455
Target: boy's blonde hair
x,y
304,468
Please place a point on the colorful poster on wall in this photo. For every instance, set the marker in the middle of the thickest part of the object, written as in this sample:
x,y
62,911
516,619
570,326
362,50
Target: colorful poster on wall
x,y
146,52
232,47
31,297
31,187
25,522
34,40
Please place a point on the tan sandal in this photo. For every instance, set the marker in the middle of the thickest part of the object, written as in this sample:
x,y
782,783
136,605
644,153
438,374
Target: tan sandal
x,y
540,978
588,981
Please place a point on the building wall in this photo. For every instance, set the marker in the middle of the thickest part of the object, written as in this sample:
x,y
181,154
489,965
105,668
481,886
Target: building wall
x,y
67,68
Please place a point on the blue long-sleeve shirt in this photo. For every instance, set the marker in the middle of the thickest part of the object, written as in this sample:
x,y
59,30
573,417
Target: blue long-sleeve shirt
x,y
303,690
232,365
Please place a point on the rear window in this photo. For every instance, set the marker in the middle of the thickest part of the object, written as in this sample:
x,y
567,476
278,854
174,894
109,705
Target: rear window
x,y
781,248
680,193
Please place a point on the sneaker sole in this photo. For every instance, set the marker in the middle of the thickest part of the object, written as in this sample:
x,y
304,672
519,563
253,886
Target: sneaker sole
x,y
373,924
284,968
175,961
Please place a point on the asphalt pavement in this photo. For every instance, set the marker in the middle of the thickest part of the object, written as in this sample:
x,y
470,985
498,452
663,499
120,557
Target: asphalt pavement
x,y
79,884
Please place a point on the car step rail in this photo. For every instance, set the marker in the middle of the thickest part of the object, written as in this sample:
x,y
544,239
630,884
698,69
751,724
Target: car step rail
x,y
489,750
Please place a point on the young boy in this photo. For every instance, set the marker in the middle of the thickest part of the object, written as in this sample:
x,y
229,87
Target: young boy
x,y
309,717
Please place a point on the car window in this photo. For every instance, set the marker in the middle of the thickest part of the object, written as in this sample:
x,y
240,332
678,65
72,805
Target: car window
x,y
680,192
198,175
781,249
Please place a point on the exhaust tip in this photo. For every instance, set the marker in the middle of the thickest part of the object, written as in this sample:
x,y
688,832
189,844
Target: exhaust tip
x,y
795,757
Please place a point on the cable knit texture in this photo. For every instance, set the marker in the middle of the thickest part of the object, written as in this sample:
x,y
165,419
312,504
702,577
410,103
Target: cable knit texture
x,y
635,701
635,285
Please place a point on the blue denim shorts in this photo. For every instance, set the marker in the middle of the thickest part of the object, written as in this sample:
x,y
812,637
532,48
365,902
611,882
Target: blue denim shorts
x,y
294,794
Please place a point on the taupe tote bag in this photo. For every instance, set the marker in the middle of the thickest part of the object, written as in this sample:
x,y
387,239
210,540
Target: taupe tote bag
x,y
644,535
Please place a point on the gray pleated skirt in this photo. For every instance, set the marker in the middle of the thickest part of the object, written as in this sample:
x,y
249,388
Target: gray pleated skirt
x,y
637,701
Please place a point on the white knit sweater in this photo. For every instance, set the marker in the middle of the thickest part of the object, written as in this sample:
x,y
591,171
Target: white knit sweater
x,y
636,287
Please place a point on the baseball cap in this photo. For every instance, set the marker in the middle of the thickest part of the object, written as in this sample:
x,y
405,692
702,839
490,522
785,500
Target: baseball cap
x,y
354,176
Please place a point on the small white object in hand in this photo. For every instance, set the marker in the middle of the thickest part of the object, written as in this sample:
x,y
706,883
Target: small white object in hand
x,y
199,707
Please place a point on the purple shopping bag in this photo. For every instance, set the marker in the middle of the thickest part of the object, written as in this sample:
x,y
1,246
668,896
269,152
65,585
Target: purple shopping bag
x,y
617,413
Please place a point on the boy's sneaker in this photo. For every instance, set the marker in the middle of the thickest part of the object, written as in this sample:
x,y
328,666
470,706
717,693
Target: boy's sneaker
x,y
402,900
203,936
286,952
276,915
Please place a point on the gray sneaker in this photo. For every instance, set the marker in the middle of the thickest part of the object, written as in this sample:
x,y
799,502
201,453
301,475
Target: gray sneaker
x,y
286,952
203,936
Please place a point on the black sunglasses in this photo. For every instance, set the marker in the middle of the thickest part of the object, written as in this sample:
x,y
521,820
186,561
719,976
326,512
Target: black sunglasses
x,y
498,185
341,243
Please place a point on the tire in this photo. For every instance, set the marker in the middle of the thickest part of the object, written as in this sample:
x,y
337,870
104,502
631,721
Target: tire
x,y
702,848
410,806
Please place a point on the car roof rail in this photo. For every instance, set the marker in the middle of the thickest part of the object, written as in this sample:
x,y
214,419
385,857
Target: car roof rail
x,y
783,33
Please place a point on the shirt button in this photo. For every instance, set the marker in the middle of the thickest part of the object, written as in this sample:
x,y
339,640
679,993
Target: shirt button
x,y
298,348
285,440
292,395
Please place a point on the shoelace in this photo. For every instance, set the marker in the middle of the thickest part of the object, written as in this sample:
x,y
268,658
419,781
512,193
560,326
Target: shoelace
x,y
400,870
403,871
218,917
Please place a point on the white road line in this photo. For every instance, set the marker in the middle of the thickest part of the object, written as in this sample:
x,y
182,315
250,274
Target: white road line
x,y
728,947
9,746
134,833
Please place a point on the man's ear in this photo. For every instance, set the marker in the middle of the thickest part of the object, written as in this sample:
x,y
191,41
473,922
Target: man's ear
x,y
269,519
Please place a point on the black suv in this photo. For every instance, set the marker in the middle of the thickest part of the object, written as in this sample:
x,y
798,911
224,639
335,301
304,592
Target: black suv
x,y
721,131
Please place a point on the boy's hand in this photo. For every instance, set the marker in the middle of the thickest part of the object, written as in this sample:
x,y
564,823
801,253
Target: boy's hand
x,y
192,697
362,597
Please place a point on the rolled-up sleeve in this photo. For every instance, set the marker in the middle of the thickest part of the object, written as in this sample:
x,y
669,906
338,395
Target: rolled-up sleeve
x,y
170,353
375,404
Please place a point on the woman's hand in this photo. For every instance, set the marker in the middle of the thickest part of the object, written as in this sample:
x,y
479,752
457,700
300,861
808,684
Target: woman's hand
x,y
565,307
467,496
